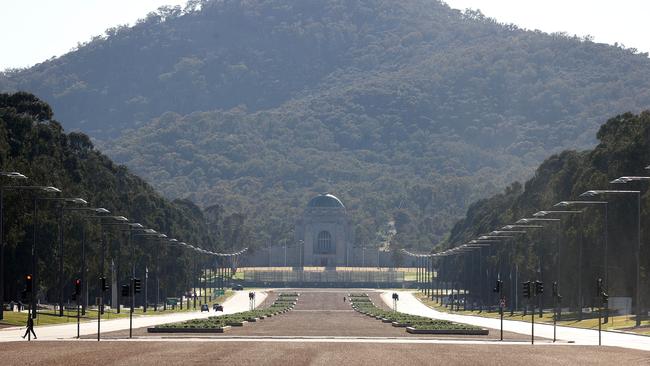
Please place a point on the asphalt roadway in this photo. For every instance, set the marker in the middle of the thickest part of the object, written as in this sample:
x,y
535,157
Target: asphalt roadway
x,y
321,330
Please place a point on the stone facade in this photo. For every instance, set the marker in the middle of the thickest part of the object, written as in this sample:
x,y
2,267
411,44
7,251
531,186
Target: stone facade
x,y
324,228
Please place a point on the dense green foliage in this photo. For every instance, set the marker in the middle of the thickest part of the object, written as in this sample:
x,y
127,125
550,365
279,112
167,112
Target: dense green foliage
x,y
624,150
407,110
33,143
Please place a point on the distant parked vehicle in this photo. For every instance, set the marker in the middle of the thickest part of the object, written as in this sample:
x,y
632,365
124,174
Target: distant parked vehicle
x,y
205,307
217,307
237,287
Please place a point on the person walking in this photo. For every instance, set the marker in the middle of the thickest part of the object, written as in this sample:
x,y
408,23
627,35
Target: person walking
x,y
30,326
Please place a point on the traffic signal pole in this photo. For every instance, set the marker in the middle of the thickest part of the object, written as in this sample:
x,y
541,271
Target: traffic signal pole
x,y
77,294
132,305
532,323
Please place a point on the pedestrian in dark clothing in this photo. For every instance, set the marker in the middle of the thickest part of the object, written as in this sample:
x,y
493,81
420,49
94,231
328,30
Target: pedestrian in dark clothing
x,y
30,326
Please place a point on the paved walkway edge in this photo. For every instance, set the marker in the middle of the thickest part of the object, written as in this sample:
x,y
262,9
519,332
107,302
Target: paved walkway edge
x,y
235,304
411,305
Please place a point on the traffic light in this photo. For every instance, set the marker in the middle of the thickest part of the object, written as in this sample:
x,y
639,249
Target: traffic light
x,y
599,286
102,284
497,287
556,292
601,291
29,283
77,288
126,290
539,287
526,286
136,286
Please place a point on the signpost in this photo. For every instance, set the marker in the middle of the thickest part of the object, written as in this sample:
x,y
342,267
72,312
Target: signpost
x,y
502,302
502,305
395,300
251,300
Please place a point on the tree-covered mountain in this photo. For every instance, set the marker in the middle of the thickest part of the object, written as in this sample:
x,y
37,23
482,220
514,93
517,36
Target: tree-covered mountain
x,y
408,110
33,143
623,150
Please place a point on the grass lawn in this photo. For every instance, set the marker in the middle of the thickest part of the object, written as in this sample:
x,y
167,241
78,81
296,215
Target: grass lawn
x,y
410,274
620,322
46,318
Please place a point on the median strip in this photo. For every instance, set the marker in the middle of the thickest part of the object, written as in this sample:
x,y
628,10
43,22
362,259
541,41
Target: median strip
x,y
220,324
413,323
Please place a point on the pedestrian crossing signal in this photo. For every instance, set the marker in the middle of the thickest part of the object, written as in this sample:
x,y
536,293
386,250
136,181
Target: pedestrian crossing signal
x,y
77,288
29,283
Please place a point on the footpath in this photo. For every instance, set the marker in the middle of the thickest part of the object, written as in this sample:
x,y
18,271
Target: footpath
x,y
411,305
235,304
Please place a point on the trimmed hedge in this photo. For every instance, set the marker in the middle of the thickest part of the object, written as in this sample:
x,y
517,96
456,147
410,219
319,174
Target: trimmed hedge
x,y
363,304
283,303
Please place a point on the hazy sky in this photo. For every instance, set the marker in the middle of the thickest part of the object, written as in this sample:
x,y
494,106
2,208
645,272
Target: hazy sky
x,y
32,31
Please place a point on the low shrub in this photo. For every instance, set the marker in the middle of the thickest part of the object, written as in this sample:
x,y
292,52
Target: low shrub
x,y
285,301
363,304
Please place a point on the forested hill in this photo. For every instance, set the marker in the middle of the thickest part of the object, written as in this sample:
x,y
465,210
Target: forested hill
x,y
623,150
408,110
33,143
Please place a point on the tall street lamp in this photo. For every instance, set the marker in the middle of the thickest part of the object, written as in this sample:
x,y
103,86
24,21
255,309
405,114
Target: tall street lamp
x,y
605,237
623,180
47,189
594,193
98,211
62,201
146,233
541,220
118,222
10,176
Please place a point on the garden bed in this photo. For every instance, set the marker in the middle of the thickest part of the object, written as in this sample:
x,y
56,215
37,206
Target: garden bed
x,y
189,330
478,331
413,323
219,324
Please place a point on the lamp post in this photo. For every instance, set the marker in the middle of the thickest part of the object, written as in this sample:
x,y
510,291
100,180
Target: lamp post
x,y
34,255
118,221
98,211
538,219
594,193
146,233
62,200
605,237
131,228
11,176
513,289
494,237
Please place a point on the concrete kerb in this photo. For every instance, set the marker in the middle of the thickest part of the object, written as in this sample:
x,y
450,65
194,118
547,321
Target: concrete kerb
x,y
189,330
448,331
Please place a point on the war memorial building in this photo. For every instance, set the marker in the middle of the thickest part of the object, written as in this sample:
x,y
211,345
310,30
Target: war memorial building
x,y
324,229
